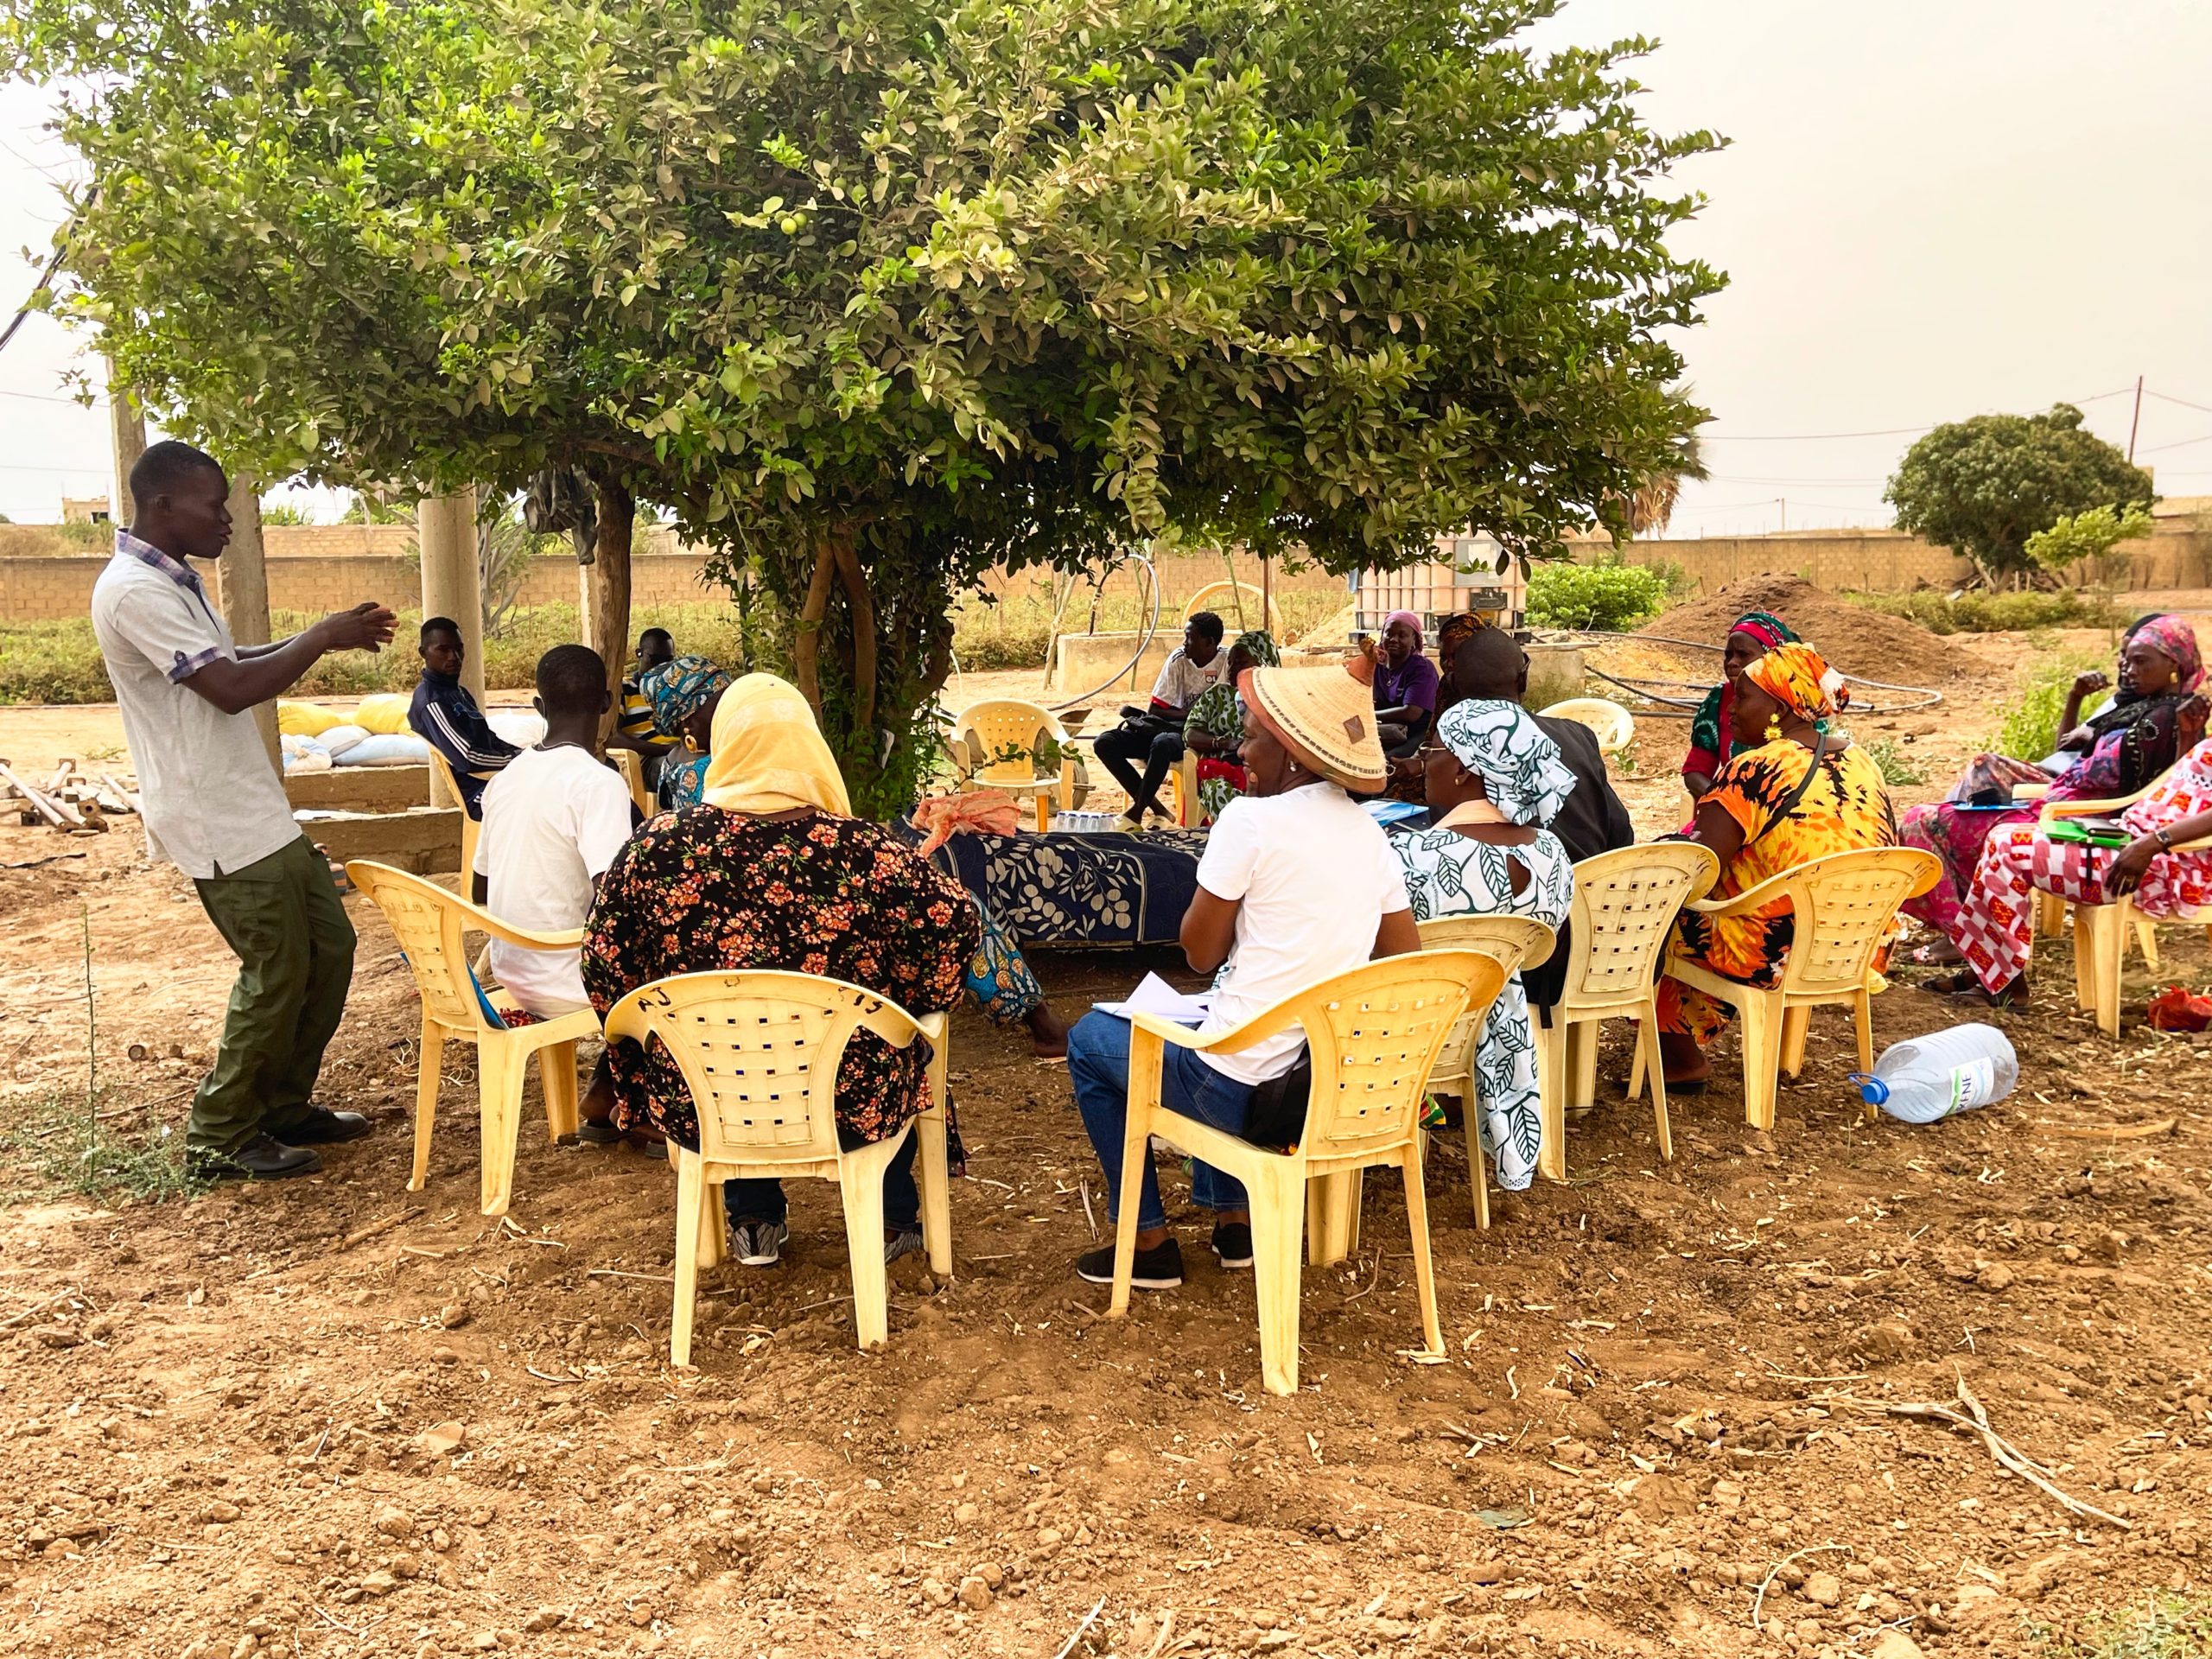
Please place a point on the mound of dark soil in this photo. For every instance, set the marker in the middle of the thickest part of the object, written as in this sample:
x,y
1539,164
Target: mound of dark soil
x,y
1854,639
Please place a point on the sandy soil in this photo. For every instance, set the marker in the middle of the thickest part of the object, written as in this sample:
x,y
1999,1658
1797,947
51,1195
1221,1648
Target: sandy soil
x,y
220,1420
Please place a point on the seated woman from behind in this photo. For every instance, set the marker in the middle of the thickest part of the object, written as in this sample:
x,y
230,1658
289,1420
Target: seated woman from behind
x,y
1997,919
1214,728
1298,885
1495,779
2116,752
1804,792
771,870
682,692
1717,734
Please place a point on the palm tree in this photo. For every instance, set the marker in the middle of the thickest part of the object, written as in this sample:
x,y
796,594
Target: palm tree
x,y
1652,505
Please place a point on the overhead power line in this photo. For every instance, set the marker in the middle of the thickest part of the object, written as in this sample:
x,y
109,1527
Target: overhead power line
x,y
1884,432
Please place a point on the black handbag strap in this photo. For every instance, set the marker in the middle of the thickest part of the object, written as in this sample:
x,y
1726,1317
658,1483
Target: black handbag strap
x,y
1790,803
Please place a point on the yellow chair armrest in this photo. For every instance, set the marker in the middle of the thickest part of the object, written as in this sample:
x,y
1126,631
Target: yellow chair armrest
x,y
2090,809
1766,893
479,921
2022,792
931,1025
1227,1042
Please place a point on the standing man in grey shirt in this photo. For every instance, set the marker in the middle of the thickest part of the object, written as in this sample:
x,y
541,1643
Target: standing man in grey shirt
x,y
215,807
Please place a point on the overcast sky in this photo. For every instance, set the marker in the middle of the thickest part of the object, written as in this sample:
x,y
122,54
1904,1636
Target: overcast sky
x,y
1931,208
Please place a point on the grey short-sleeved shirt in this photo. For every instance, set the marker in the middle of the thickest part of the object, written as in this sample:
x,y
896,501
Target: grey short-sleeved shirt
x,y
213,802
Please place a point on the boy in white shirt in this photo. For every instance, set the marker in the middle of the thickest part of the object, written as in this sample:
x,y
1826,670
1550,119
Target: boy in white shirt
x,y
554,818
1298,885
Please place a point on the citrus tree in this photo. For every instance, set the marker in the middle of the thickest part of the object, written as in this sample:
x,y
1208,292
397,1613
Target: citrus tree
x,y
874,294
1982,487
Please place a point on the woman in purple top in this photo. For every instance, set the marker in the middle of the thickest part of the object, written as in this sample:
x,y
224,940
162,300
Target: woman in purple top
x,y
1405,686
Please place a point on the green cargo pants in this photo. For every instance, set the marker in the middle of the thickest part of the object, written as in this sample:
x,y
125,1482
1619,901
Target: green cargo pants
x,y
281,915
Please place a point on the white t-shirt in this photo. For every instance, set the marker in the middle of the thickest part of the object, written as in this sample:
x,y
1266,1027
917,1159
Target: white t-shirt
x,y
1317,876
553,820
213,802
1181,680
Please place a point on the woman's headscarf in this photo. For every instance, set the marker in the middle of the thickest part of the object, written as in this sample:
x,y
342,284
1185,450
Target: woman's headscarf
x,y
1260,645
1796,676
679,689
2171,637
1409,620
768,755
1501,743
1765,626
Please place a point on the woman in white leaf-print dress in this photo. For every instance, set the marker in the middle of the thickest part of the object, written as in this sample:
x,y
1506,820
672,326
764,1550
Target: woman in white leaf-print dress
x,y
1494,778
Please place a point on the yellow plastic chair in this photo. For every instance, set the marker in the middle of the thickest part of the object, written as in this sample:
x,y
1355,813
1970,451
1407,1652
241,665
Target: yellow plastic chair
x,y
470,826
1613,725
1236,603
632,765
997,740
1845,904
2101,932
429,922
1626,903
759,1053
1372,1034
1513,942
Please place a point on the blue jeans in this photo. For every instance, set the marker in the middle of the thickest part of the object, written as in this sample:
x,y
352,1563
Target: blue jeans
x,y
1098,1066
763,1201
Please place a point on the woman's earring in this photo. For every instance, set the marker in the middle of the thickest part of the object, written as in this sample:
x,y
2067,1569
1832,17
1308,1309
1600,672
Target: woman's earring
x,y
1774,728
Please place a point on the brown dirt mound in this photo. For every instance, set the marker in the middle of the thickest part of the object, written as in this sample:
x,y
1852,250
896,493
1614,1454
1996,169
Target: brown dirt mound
x,y
1853,638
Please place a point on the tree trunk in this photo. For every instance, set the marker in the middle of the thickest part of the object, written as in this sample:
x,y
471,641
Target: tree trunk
x,y
243,583
607,590
806,648
864,643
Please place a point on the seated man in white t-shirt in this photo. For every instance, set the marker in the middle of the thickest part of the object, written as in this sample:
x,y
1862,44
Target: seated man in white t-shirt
x,y
1298,885
554,818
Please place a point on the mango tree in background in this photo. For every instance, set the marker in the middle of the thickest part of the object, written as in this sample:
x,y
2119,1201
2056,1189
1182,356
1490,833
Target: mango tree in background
x,y
874,294
1983,486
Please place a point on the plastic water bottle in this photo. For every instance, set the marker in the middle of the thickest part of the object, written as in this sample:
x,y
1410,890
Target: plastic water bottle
x,y
1942,1074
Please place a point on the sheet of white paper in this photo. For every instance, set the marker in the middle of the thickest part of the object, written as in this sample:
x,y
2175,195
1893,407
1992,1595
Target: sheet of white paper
x,y
1156,996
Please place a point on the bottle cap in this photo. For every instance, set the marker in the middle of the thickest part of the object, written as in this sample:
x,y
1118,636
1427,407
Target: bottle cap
x,y
1871,1088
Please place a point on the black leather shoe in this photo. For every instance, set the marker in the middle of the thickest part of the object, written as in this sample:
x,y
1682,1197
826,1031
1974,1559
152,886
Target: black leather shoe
x,y
262,1158
321,1127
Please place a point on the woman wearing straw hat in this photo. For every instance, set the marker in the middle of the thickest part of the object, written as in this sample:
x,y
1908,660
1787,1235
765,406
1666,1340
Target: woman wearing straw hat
x,y
1298,884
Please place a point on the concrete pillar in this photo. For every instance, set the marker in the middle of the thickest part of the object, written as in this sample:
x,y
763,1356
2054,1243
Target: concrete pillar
x,y
127,431
242,584
452,585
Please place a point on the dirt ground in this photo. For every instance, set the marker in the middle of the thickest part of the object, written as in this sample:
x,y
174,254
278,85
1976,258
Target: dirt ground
x,y
332,1418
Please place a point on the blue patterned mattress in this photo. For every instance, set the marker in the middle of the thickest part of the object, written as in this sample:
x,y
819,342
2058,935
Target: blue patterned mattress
x,y
1079,890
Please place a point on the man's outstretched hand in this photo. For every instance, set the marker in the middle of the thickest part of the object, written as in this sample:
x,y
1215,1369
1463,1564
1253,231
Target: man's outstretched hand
x,y
367,626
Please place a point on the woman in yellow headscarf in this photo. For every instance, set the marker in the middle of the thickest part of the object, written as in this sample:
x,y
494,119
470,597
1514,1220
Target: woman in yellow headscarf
x,y
1805,791
771,870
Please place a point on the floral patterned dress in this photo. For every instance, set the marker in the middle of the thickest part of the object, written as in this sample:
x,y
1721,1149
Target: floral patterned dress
x,y
703,890
1450,874
1847,806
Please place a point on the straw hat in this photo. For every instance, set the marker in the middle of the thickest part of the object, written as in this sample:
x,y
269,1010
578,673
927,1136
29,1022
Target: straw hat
x,y
1324,717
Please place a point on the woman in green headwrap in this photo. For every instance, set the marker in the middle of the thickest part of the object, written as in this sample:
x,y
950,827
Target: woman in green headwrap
x,y
1216,723
1713,739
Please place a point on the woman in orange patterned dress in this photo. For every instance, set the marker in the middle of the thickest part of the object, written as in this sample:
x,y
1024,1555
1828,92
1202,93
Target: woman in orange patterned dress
x,y
1804,792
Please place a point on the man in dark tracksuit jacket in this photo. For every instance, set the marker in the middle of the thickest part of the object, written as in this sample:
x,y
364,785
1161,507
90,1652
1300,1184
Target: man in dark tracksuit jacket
x,y
446,717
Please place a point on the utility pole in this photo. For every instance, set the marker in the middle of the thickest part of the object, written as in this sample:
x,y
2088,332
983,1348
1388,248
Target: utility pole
x,y
453,586
2136,421
1784,502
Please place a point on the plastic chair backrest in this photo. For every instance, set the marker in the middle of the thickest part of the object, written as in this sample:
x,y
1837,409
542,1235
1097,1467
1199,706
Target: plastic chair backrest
x,y
759,1053
1373,1035
1611,725
991,727
428,920
1236,603
1626,903
631,766
1514,942
1845,903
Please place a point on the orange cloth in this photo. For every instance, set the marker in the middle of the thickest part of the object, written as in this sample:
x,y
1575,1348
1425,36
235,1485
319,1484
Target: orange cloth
x,y
976,812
